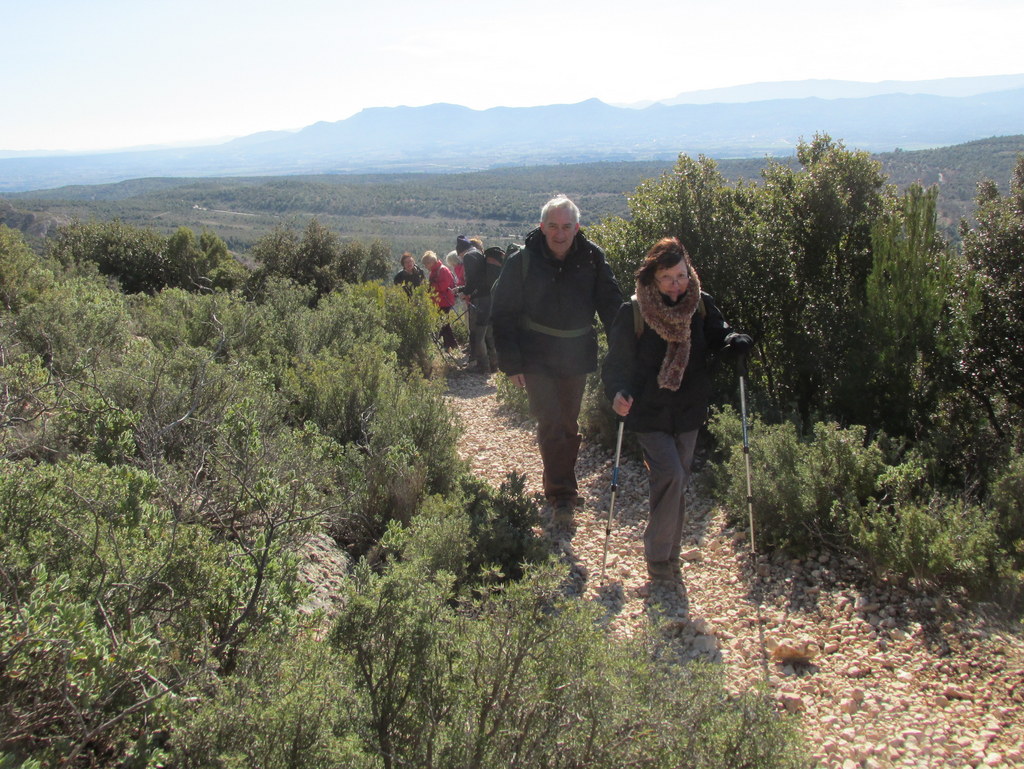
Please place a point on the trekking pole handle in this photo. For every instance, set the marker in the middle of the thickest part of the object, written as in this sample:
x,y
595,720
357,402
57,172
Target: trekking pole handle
x,y
741,364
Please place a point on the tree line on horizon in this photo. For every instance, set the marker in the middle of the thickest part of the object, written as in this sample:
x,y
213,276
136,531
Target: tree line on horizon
x,y
424,211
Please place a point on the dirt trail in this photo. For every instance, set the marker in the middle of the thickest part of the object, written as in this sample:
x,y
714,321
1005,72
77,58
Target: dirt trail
x,y
901,680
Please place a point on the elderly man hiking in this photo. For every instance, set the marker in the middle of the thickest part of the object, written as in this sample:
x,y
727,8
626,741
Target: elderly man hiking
x,y
542,311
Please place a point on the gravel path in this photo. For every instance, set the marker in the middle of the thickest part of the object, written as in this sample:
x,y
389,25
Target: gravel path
x,y
895,679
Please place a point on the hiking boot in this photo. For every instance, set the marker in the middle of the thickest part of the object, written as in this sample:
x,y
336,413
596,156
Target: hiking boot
x,y
561,512
662,571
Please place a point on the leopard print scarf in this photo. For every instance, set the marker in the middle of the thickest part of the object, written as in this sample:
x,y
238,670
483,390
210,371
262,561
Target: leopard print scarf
x,y
672,323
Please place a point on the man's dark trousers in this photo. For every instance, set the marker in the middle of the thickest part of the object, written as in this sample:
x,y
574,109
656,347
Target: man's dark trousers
x,y
555,404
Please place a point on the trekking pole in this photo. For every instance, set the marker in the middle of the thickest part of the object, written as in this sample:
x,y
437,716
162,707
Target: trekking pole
x,y
611,505
741,365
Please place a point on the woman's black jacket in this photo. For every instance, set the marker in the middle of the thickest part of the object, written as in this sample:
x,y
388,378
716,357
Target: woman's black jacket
x,y
633,363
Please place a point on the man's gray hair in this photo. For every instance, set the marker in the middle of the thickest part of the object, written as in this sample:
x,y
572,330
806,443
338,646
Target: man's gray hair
x,y
559,202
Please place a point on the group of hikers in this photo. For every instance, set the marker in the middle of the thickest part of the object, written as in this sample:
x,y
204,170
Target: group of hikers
x,y
467,275
532,317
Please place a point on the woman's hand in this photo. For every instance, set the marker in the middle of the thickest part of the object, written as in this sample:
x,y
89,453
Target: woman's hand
x,y
622,404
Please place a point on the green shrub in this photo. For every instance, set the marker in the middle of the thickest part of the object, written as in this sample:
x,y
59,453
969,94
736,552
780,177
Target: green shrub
x,y
287,706
395,634
388,484
363,399
23,275
348,319
96,426
945,542
178,395
439,538
1007,501
107,602
72,685
27,395
79,326
963,445
410,320
174,317
502,525
913,530
526,676
478,534
396,439
835,489
802,490
286,307
136,257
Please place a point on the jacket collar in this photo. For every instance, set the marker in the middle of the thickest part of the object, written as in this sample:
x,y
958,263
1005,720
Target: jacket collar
x,y
535,242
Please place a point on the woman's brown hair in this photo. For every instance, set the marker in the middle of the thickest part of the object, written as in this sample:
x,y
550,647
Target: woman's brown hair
x,y
666,253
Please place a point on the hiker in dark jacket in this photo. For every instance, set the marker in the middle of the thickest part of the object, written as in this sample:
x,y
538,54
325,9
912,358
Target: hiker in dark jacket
x,y
657,376
481,273
410,276
472,257
542,312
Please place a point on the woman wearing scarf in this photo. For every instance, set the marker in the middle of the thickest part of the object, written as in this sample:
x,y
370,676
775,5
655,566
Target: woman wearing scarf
x,y
658,380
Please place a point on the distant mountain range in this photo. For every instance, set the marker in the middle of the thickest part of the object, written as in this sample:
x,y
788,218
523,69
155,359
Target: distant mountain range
x,y
746,121
847,89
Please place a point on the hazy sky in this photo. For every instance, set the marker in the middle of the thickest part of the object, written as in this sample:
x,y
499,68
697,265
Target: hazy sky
x,y
91,74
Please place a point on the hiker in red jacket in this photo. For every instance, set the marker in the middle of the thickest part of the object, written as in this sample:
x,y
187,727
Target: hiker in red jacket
x,y
442,284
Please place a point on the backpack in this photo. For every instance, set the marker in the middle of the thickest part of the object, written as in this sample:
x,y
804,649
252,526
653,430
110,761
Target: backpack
x,y
638,318
494,258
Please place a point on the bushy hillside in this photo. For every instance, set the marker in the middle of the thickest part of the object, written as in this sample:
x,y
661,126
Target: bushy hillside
x,y
175,428
168,450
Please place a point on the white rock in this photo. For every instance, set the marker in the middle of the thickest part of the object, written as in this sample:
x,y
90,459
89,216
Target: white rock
x,y
850,706
793,703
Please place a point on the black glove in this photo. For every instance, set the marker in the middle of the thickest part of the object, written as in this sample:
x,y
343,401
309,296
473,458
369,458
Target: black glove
x,y
739,343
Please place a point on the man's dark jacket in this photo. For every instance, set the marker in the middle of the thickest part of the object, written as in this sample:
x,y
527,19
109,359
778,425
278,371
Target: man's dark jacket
x,y
544,319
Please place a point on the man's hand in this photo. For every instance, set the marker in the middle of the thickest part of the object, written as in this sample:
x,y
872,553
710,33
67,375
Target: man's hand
x,y
519,380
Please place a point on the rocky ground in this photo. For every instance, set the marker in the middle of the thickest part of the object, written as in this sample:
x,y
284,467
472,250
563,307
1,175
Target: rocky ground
x,y
880,676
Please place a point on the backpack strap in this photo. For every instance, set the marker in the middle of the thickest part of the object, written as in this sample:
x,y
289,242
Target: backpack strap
x,y
531,325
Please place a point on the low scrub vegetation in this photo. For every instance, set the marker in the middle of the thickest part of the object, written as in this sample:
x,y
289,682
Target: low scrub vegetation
x,y
167,449
174,428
